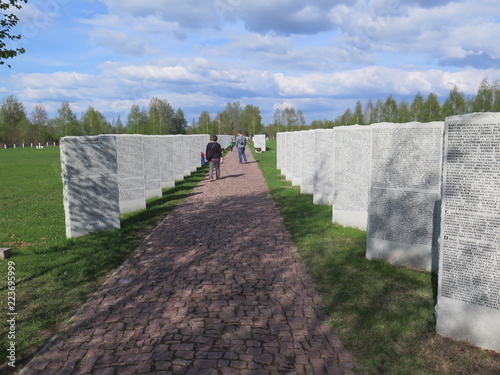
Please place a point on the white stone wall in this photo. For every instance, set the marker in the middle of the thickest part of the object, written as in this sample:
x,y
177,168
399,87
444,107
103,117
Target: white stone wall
x,y
308,145
259,141
352,148
167,160
152,173
131,184
405,191
90,184
468,303
323,167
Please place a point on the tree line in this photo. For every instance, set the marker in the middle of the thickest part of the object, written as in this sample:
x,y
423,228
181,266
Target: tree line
x,y
17,127
420,109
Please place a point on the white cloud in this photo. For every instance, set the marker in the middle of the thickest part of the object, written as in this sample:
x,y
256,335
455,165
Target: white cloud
x,y
121,42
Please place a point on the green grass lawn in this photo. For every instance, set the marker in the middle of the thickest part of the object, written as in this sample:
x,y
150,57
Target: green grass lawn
x,y
55,275
383,314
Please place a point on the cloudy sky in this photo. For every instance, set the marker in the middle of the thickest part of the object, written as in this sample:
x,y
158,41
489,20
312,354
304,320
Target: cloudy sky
x,y
319,56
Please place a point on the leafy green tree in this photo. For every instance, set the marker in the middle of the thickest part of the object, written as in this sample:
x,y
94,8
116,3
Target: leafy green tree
x,y
378,112
206,124
94,123
432,108
40,122
118,125
358,115
346,118
66,122
277,121
455,104
417,108
12,119
367,112
250,120
404,113
231,116
179,123
390,109
137,120
289,118
160,117
483,102
7,22
222,123
496,96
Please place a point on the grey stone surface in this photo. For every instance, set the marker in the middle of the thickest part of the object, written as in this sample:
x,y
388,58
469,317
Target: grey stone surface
x,y
323,167
308,159
179,156
280,150
223,140
5,252
152,173
296,157
130,161
186,153
90,184
405,191
352,148
290,142
259,141
468,304
287,143
167,160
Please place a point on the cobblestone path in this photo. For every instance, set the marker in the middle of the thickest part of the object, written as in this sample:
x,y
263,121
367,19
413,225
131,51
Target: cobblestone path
x,y
217,288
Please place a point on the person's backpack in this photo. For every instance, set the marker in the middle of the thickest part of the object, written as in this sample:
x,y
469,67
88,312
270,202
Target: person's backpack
x,y
210,153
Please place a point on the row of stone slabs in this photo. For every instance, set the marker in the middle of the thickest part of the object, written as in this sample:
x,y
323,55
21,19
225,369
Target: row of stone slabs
x,y
428,195
108,175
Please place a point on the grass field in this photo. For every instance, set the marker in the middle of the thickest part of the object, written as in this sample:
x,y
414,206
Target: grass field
x,y
383,314
55,275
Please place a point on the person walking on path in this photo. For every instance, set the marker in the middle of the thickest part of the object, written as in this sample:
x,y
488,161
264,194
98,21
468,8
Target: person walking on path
x,y
231,145
241,142
213,154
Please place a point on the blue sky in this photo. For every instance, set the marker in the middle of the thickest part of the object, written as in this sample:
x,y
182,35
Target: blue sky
x,y
319,56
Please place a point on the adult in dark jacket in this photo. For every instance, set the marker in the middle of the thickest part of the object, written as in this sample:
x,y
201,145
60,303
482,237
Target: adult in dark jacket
x,y
213,155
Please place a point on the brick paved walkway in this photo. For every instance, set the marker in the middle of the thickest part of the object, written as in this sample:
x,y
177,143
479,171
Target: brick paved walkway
x,y
217,288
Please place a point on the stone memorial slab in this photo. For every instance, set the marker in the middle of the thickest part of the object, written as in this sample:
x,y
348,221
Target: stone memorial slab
x,y
291,143
5,252
405,193
279,151
323,168
259,141
287,155
90,184
152,173
468,304
308,145
130,161
186,155
167,160
194,152
352,149
223,140
179,157
297,149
